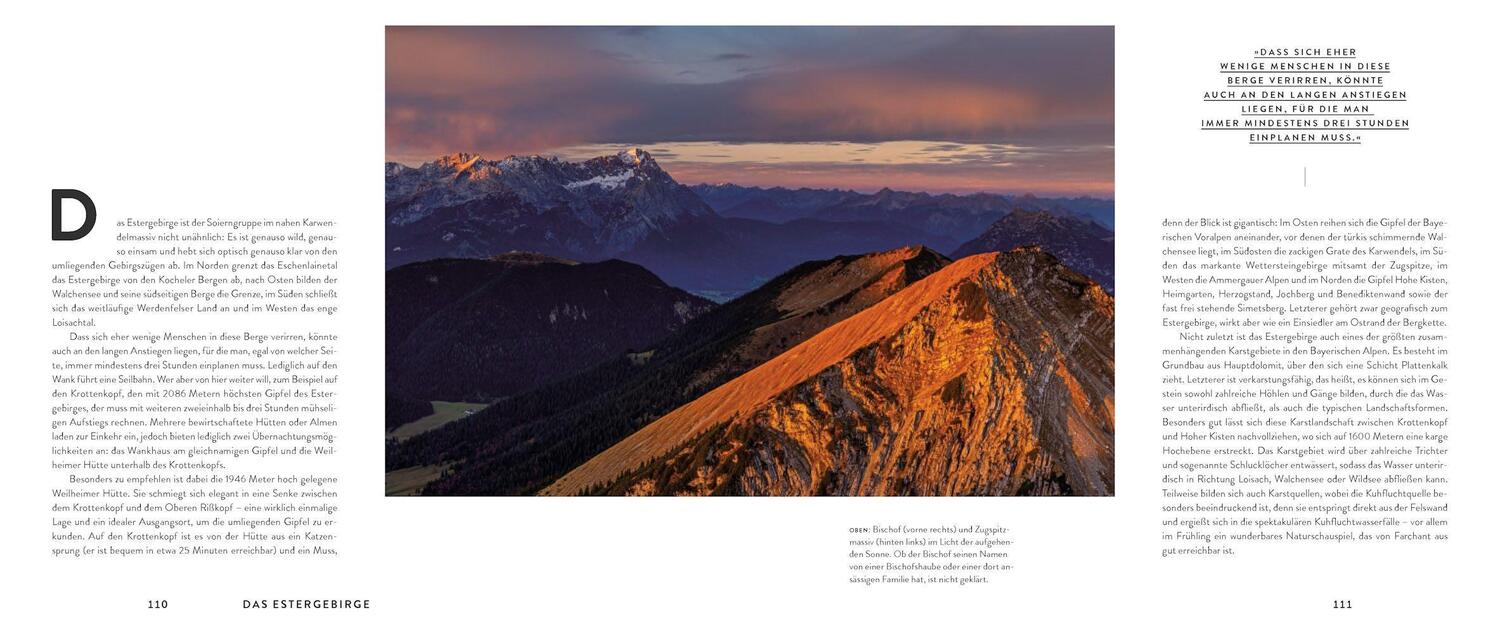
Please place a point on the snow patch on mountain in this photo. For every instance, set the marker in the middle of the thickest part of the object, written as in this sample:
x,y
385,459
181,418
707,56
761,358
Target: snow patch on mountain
x,y
608,181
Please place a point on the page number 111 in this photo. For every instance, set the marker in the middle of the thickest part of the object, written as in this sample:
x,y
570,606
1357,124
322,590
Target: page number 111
x,y
1343,604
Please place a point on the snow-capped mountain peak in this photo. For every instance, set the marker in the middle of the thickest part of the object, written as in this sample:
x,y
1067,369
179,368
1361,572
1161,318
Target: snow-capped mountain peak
x,y
461,205
458,161
634,156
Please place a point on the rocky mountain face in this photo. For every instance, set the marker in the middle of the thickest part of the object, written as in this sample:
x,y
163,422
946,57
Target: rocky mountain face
x,y
528,440
622,206
462,205
1082,244
953,218
474,330
992,376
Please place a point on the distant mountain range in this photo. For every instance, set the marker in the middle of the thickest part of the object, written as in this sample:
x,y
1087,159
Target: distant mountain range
x,y
622,206
952,216
462,205
715,240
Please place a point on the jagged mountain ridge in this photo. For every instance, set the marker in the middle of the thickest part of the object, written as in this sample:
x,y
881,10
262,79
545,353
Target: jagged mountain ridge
x,y
475,330
993,376
1083,245
527,441
462,205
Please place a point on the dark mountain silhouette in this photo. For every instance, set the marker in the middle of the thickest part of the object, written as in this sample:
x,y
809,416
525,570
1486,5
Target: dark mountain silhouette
x,y
524,442
475,330
1082,244
760,250
993,376
400,411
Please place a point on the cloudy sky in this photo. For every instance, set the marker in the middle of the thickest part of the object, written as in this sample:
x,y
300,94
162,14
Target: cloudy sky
x,y
942,109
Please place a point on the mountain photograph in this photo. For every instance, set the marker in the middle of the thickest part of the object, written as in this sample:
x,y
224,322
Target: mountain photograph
x,y
749,261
